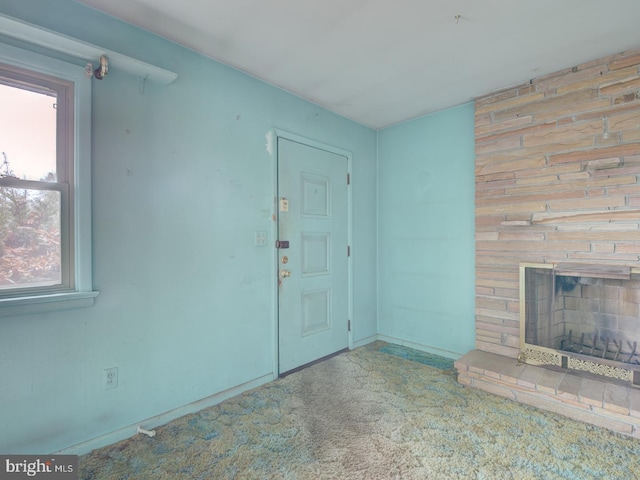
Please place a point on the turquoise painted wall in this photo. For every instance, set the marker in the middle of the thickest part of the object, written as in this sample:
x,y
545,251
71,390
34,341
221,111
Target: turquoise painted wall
x,y
181,181
426,231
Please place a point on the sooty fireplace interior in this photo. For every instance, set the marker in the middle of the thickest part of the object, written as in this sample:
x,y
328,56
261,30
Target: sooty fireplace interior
x,y
582,317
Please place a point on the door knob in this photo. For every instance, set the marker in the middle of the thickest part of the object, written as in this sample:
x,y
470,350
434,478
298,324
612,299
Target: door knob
x,y
285,273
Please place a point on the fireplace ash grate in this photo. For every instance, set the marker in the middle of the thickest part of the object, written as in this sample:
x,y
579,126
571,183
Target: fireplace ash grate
x,y
617,350
581,317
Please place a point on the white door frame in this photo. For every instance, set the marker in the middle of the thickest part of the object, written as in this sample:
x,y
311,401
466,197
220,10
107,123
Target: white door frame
x,y
272,148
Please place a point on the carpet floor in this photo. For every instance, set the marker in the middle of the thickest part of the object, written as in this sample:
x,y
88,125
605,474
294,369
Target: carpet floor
x,y
377,412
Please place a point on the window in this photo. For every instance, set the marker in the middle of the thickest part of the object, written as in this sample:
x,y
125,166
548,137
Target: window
x,y
35,172
45,243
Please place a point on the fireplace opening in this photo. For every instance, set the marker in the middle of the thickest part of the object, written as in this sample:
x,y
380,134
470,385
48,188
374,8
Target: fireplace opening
x,y
583,317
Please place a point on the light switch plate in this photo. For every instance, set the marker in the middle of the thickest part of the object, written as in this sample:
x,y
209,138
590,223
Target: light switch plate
x,y
261,239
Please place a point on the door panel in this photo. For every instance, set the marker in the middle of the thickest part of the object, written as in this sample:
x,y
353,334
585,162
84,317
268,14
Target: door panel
x,y
313,297
315,253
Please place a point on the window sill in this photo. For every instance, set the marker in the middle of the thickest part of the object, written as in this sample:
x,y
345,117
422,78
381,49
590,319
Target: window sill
x,y
46,303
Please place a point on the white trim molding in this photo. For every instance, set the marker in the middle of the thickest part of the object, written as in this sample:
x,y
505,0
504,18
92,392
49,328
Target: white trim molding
x,y
43,37
164,418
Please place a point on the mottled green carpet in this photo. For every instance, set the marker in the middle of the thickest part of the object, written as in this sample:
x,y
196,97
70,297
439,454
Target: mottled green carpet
x,y
377,412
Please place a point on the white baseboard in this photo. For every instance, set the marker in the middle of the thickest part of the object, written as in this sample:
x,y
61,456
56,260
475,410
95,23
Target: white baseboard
x,y
365,341
421,347
163,418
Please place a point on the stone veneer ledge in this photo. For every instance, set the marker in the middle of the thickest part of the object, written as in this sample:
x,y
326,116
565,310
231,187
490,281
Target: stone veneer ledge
x,y
592,400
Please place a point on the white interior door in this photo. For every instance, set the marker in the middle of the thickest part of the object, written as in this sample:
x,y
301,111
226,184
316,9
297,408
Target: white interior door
x,y
313,266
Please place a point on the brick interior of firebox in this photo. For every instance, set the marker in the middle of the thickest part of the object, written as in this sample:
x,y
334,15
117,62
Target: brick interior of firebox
x,y
597,317
600,318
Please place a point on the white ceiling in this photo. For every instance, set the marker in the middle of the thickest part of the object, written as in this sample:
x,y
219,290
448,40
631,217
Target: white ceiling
x,y
380,62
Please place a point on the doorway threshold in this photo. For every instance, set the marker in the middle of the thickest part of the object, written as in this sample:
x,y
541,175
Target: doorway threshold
x,y
321,359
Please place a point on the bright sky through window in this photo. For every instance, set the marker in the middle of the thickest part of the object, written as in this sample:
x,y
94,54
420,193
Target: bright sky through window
x,y
30,213
28,132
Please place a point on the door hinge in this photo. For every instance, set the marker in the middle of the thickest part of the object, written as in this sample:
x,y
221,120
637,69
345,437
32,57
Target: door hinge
x,y
348,250
348,179
349,325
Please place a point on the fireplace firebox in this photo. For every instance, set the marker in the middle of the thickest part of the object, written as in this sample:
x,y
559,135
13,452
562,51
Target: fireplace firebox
x,y
581,317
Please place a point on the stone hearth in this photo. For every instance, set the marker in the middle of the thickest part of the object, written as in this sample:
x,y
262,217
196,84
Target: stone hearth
x,y
581,396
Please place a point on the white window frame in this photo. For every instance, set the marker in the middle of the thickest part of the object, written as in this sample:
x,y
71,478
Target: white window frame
x,y
79,293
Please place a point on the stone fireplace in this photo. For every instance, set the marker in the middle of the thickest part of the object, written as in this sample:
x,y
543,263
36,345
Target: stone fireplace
x,y
581,317
558,184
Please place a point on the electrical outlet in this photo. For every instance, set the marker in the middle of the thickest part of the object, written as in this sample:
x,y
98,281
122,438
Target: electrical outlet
x,y
261,239
110,377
